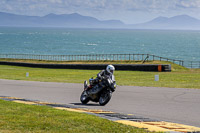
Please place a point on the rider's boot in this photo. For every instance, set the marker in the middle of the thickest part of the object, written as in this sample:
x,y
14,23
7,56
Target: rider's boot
x,y
89,90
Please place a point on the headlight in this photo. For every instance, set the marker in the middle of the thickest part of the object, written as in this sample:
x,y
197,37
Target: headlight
x,y
115,85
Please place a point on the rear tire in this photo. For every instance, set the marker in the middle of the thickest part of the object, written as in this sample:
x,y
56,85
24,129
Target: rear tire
x,y
105,97
84,98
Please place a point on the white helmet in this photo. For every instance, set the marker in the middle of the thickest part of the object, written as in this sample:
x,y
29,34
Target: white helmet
x,y
110,69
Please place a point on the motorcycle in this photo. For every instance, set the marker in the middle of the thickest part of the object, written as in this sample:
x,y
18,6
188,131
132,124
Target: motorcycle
x,y
99,91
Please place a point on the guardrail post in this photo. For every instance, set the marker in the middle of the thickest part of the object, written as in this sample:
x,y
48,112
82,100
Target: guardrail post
x,y
199,64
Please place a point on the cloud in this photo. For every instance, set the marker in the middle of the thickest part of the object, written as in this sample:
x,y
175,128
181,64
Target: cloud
x,y
100,5
189,4
56,1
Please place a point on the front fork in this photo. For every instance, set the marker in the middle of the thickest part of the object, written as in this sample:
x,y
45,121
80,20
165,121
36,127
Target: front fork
x,y
85,85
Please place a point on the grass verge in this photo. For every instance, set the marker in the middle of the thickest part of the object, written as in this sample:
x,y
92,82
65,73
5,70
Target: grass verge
x,y
174,66
17,117
179,78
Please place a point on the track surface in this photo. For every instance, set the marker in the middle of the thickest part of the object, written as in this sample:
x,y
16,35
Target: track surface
x,y
166,104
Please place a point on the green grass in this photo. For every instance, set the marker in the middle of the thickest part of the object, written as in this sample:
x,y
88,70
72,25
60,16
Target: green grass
x,y
180,77
15,117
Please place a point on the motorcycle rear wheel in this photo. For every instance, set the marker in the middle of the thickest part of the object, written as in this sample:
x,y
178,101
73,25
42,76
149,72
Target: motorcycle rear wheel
x,y
105,98
84,98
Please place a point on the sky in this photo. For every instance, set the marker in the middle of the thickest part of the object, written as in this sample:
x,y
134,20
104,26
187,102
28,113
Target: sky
x,y
128,11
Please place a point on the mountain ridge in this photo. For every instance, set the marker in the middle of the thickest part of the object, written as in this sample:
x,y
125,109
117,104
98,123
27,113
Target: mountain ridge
x,y
179,22
73,20
76,20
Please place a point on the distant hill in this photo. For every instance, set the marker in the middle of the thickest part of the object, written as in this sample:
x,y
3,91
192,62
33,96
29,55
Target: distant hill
x,y
176,22
76,20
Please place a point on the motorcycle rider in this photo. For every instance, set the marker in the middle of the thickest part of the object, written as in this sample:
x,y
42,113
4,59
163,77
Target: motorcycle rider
x,y
109,72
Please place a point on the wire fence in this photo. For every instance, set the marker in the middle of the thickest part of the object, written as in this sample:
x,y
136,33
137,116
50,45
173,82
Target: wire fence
x,y
102,57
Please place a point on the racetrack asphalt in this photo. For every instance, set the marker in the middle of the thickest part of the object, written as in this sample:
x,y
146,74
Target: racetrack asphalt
x,y
176,105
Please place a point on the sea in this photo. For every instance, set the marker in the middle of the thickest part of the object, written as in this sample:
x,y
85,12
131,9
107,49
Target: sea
x,y
173,44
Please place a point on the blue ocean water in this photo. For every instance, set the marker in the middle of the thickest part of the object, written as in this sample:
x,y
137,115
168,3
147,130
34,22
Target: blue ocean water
x,y
184,45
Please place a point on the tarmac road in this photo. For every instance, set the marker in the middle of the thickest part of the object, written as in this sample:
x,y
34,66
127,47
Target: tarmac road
x,y
168,104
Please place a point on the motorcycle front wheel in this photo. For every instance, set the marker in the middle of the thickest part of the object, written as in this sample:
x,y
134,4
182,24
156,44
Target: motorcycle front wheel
x,y
105,97
84,98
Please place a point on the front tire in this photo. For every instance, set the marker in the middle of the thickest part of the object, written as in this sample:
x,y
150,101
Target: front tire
x,y
84,98
105,98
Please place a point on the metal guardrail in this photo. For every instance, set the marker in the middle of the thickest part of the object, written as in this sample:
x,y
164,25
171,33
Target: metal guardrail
x,y
192,64
102,57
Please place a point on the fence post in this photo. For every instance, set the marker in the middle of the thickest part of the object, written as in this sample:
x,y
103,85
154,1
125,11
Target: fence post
x,y
199,64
